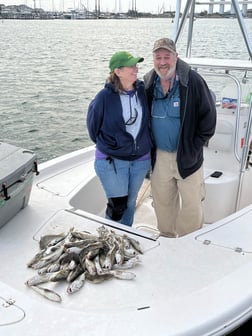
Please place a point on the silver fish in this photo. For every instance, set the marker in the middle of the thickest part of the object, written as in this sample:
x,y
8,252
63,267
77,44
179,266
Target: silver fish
x,y
119,254
80,256
41,264
36,258
97,264
135,243
73,274
98,278
81,243
65,258
132,262
43,270
50,249
93,253
74,249
55,267
126,242
47,293
60,275
110,258
46,260
76,284
130,252
38,279
90,266
122,275
49,240
83,235
119,257
72,265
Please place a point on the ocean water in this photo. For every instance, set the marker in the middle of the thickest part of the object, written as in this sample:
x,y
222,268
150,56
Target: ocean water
x,y
50,71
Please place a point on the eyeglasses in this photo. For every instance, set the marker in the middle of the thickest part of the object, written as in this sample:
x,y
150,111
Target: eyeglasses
x,y
133,117
133,114
172,88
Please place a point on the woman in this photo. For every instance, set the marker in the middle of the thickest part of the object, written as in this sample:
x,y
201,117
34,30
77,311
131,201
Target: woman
x,y
118,122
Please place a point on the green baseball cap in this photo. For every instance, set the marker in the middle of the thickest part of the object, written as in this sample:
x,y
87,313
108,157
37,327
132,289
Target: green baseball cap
x,y
123,59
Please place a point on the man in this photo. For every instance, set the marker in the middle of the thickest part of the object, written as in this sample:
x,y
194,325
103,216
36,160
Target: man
x,y
183,119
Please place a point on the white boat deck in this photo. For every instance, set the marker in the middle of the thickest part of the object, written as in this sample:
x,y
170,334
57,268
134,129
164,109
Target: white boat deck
x,y
196,285
184,286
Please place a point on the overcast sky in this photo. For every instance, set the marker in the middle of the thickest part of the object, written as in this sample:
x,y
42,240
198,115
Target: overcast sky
x,y
153,6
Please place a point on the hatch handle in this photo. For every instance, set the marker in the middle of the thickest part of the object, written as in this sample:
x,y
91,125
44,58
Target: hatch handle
x,y
5,192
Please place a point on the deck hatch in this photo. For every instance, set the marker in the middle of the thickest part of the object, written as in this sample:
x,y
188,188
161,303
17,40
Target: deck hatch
x,y
63,220
233,233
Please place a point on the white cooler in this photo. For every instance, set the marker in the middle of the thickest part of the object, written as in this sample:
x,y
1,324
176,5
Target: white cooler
x,y
17,167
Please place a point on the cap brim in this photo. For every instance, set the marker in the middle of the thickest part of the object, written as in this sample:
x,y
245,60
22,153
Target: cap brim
x,y
134,61
140,59
168,49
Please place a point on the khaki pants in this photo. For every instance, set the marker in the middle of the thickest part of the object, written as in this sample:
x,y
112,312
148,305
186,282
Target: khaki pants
x,y
177,201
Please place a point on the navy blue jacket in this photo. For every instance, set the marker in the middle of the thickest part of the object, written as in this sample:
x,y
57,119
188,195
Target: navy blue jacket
x,y
107,128
197,115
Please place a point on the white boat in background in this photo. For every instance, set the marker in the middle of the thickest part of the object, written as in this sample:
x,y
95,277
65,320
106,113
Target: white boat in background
x,y
196,285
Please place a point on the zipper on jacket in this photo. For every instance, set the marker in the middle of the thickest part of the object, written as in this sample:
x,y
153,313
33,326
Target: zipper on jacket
x,y
135,145
182,123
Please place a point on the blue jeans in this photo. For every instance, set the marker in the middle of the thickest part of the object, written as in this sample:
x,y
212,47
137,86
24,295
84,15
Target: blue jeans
x,y
122,178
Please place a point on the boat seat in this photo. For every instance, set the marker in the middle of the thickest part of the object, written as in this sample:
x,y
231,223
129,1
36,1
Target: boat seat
x,y
222,140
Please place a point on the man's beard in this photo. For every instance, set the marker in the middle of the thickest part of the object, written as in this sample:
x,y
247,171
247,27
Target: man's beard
x,y
168,74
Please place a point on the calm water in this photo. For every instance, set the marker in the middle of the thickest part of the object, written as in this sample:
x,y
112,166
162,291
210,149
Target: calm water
x,y
50,70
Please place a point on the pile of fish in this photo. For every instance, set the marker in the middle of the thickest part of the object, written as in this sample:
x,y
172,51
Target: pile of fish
x,y
79,256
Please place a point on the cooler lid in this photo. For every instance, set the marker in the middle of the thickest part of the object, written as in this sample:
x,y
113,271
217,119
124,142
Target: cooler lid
x,y
14,162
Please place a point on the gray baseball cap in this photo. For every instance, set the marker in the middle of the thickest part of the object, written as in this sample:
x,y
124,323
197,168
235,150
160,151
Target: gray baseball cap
x,y
165,43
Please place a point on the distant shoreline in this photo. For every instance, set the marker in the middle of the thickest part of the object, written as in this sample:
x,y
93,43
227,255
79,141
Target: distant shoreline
x,y
67,16
23,12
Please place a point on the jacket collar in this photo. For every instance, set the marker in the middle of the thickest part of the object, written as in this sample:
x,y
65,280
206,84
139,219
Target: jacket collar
x,y
182,70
